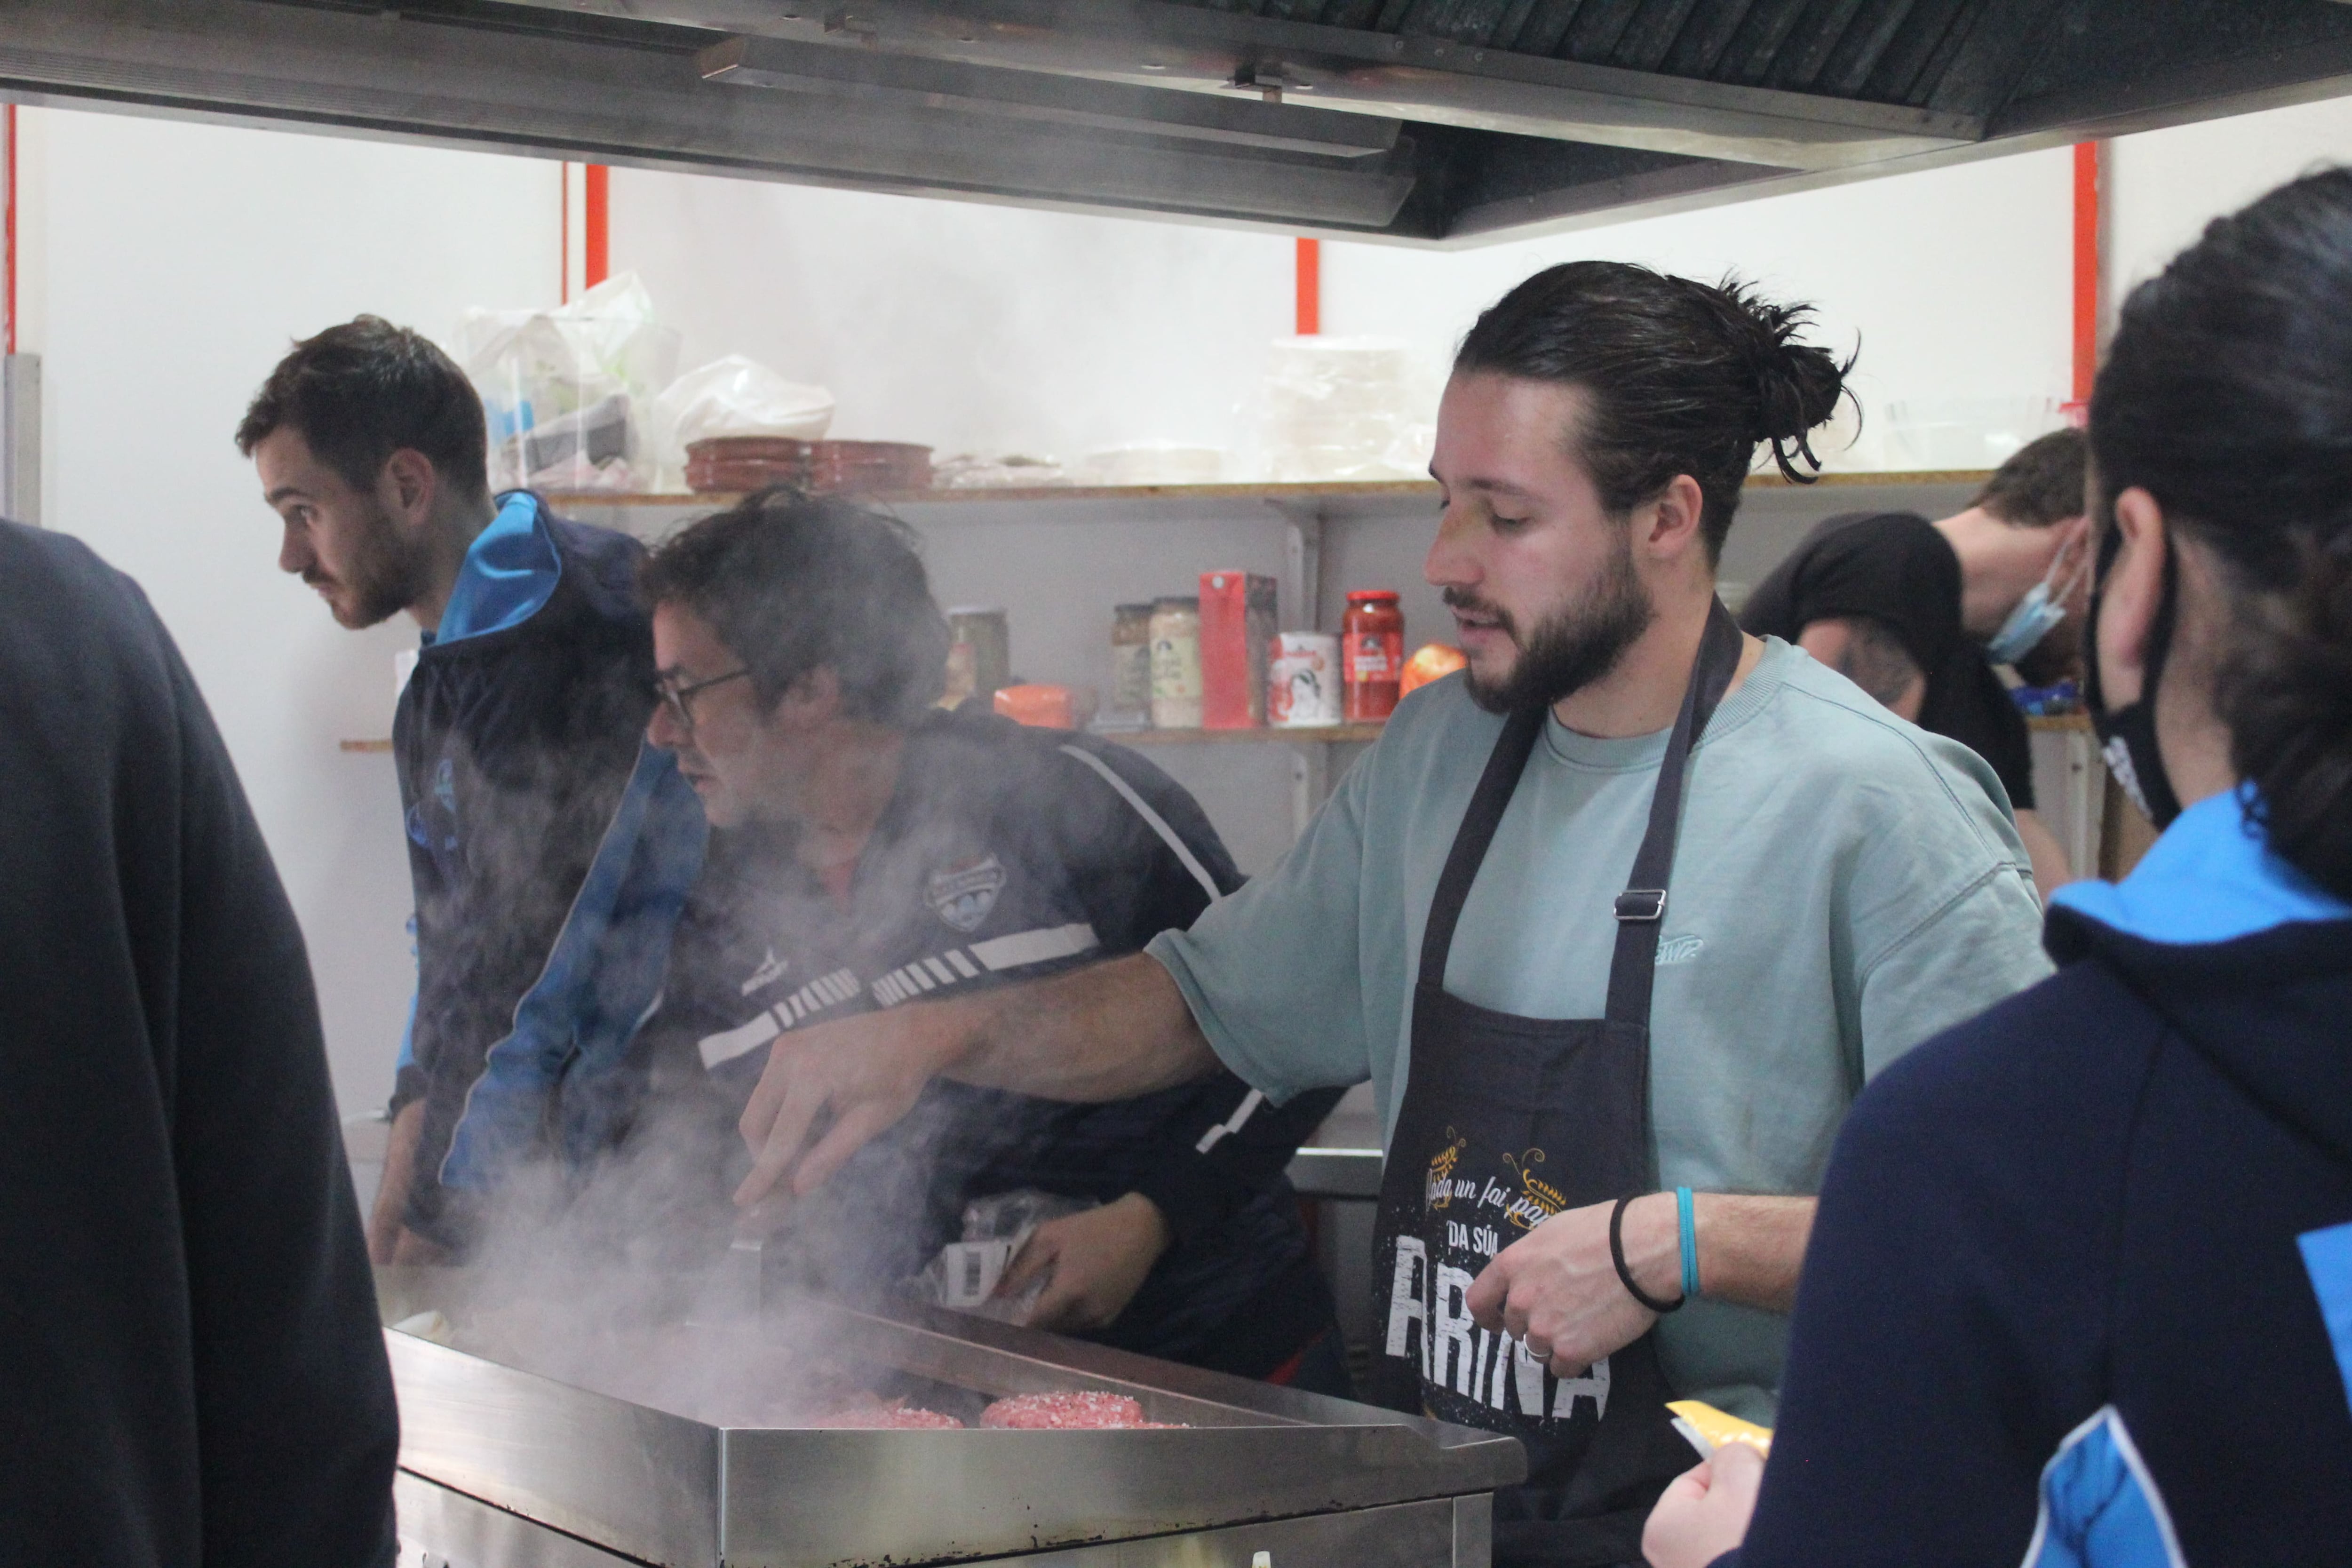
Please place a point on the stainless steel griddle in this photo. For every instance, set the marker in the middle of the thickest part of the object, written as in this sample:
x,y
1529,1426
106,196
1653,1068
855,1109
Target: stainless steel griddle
x,y
503,1467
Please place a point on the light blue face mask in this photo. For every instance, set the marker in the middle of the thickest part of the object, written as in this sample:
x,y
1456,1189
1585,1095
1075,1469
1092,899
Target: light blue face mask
x,y
2038,614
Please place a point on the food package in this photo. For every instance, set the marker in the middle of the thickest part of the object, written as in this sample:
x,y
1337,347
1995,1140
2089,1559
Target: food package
x,y
732,396
563,389
965,1273
1013,470
1338,410
1048,707
1237,624
1153,463
1706,1428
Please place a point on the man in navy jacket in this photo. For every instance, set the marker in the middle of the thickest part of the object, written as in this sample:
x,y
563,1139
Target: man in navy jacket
x,y
516,739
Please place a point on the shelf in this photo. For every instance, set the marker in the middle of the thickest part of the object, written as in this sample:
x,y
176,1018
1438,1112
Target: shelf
x,y
2062,722
1327,734
364,745
1367,490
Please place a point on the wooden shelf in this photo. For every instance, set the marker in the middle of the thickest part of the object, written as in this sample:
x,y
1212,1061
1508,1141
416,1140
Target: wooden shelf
x,y
1373,490
2062,723
1329,733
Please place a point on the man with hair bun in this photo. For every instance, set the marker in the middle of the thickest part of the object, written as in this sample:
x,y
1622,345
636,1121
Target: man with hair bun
x,y
1919,613
2081,1293
1617,921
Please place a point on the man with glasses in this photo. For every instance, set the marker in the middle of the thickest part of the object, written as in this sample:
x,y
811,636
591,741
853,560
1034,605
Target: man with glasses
x,y
516,739
867,848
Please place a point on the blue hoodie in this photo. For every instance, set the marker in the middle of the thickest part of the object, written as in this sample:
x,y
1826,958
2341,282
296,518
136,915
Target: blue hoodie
x,y
2080,1289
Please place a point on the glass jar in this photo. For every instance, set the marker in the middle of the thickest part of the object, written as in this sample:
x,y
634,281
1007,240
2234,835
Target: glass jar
x,y
1130,662
1372,653
1176,663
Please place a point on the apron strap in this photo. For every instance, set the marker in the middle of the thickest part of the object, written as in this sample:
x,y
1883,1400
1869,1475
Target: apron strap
x,y
1641,907
1493,797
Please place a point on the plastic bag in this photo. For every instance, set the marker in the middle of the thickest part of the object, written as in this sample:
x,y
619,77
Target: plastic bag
x,y
732,396
964,1275
1344,409
560,388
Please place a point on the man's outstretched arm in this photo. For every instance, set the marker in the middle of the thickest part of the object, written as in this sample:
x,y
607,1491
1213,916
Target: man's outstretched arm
x,y
1110,1031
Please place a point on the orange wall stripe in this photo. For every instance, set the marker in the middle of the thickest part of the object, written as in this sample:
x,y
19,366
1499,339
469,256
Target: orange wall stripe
x,y
1310,288
598,247
2087,160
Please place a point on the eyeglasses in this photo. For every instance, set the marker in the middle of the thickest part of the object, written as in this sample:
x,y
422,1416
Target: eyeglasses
x,y
680,700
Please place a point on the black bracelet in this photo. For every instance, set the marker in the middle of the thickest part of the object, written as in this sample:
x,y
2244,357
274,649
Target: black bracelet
x,y
1625,1275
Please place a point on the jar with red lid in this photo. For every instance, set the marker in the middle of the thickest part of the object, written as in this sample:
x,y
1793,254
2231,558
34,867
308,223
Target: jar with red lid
x,y
1372,653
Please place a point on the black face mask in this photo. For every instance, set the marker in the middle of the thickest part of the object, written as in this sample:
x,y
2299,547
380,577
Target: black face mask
x,y
2128,735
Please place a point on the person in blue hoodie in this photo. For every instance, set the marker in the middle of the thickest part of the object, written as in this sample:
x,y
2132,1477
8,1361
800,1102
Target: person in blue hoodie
x,y
2080,1290
518,739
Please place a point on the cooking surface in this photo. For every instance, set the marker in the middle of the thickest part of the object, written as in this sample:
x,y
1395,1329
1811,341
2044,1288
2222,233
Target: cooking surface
x,y
677,1443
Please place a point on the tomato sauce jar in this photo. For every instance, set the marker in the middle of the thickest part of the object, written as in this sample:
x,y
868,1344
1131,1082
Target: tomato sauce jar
x,y
1372,653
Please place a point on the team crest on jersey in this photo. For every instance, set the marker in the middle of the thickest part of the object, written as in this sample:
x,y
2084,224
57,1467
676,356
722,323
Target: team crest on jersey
x,y
964,893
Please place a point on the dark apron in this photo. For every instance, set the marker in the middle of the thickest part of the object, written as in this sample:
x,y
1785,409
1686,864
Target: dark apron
x,y
1504,1122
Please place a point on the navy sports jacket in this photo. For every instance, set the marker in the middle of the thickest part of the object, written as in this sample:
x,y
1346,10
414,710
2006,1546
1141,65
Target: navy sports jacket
x,y
514,742
2080,1291
1006,854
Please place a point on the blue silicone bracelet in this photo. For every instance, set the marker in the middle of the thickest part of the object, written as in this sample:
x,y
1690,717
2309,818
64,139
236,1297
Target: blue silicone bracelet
x,y
1686,1223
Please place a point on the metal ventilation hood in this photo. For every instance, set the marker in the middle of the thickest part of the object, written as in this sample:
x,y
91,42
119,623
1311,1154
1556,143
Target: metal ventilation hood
x,y
1429,122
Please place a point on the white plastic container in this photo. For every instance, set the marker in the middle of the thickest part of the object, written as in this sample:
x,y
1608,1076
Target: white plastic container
x,y
1302,688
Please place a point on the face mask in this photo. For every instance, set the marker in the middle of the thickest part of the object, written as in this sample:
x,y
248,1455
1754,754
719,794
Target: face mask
x,y
2128,735
2039,612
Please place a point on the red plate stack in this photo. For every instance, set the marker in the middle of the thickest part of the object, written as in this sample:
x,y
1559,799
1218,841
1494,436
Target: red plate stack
x,y
822,467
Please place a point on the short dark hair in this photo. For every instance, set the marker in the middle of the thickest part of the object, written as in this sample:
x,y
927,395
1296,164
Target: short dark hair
x,y
793,583
360,392
2224,396
1683,377
2041,483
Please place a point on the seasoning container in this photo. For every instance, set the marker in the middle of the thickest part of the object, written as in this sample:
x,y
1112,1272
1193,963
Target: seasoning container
x,y
1237,622
1302,687
1176,663
1131,663
980,642
1371,645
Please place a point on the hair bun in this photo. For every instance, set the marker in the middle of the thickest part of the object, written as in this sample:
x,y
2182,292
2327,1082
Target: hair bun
x,y
1797,385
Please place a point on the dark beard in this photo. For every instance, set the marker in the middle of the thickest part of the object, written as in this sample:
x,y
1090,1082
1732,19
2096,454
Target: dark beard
x,y
386,572
1571,650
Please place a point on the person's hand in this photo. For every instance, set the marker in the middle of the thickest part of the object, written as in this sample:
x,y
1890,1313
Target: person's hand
x,y
828,1090
1556,1290
409,1248
1705,1513
1095,1261
387,1221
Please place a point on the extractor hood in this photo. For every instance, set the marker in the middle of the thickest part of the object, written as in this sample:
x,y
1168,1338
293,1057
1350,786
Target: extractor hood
x,y
1427,122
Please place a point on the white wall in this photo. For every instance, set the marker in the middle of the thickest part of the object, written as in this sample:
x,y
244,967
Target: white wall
x,y
993,328
2165,186
177,263
962,326
166,267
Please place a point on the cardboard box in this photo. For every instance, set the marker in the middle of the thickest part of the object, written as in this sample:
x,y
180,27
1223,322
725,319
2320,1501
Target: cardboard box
x,y
1237,627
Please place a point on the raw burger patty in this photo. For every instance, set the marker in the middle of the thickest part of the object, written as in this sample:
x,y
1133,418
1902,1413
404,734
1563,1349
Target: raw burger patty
x,y
1063,1413
888,1418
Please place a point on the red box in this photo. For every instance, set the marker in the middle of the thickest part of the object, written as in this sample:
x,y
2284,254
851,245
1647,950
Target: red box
x,y
1237,624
